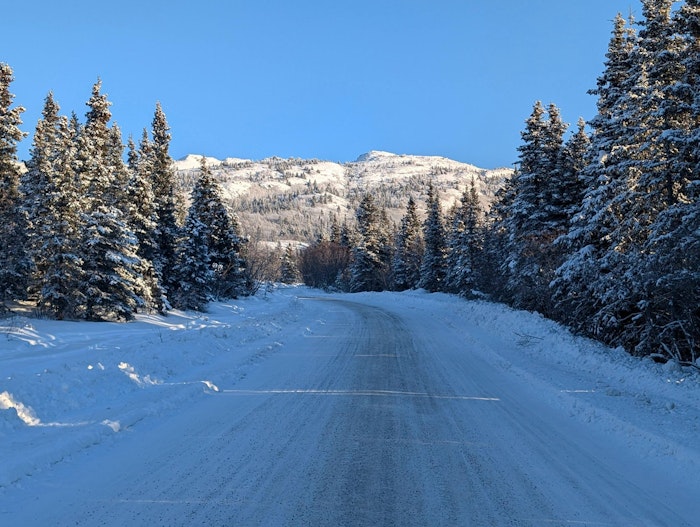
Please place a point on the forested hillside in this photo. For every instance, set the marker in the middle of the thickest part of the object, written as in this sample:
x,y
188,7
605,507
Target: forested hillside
x,y
297,200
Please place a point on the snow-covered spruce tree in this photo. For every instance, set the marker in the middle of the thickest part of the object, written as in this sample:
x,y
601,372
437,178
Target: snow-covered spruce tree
x,y
625,299
494,270
534,219
624,306
571,186
620,279
140,213
408,254
163,182
117,195
53,204
109,260
522,214
433,266
583,279
36,187
289,272
672,250
192,272
224,240
14,263
465,245
371,265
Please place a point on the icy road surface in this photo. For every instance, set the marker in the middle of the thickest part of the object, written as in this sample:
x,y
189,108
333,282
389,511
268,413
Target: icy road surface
x,y
367,415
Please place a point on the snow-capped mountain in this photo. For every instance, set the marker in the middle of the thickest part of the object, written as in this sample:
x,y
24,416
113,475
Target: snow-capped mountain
x,y
297,199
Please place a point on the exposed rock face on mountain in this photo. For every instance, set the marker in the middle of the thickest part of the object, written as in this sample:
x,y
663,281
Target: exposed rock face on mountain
x,y
298,199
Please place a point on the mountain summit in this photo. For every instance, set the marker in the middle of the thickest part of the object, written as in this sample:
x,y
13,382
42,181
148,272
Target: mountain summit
x,y
374,155
298,199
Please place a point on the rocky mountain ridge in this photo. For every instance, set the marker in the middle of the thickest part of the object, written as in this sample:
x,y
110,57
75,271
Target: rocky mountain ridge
x,y
296,200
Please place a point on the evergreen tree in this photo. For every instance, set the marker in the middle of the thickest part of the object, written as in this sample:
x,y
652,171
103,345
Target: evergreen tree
x,y
289,272
684,130
670,94
54,204
671,271
166,201
523,214
117,193
433,266
110,266
36,183
14,264
223,237
624,279
193,272
570,188
140,214
92,149
465,245
535,219
640,198
410,246
109,248
494,270
371,255
584,278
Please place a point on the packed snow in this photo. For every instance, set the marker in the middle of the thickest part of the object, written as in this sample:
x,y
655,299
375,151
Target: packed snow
x,y
72,394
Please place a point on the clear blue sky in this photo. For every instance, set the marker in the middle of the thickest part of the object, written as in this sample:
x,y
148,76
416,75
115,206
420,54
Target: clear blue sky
x,y
330,79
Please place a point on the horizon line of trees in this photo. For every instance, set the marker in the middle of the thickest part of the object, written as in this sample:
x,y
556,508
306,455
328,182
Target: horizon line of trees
x,y
88,235
600,232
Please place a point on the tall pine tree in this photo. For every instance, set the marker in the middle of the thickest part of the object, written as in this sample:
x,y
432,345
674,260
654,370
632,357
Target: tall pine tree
x,y
584,277
410,247
465,245
109,248
141,217
535,219
434,264
54,204
671,271
223,237
371,265
14,264
166,202
192,271
289,272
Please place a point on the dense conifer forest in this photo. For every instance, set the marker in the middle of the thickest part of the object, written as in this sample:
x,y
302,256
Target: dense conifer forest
x,y
598,228
87,235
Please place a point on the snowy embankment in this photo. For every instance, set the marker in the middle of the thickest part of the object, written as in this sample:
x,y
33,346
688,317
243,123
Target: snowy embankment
x,y
66,387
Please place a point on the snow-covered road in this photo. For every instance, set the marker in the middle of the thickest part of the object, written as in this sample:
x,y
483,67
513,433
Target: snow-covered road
x,y
376,411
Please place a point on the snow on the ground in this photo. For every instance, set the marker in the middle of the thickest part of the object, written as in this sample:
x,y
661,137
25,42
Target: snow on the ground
x,y
66,386
70,386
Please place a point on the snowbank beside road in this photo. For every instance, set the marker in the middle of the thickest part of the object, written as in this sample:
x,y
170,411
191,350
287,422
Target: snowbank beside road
x,y
66,386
